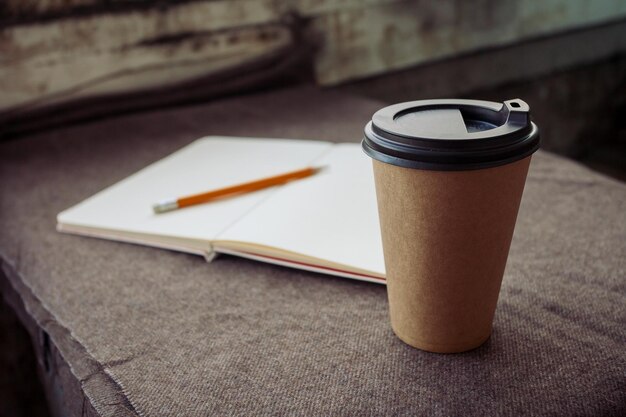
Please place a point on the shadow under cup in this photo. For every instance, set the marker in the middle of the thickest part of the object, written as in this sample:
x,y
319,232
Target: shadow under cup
x,y
449,178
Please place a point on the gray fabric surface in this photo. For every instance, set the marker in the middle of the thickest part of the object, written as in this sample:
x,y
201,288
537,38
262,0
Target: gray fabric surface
x,y
179,336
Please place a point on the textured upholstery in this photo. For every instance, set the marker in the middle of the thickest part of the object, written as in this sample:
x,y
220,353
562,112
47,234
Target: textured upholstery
x,y
151,332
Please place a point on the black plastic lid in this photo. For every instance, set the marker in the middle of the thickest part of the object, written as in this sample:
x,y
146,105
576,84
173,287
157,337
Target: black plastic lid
x,y
451,135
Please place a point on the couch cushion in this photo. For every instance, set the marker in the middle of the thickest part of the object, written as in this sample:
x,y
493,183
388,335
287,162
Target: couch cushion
x,y
161,332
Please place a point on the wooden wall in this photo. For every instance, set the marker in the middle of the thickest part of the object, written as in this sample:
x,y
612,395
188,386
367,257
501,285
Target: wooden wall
x,y
58,50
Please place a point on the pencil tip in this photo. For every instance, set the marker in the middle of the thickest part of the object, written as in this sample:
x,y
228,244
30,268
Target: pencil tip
x,y
165,206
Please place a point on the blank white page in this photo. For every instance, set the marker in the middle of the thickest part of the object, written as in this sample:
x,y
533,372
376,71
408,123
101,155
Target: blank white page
x,y
206,164
331,215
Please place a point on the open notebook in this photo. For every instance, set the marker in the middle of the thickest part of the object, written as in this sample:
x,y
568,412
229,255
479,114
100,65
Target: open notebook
x,y
326,223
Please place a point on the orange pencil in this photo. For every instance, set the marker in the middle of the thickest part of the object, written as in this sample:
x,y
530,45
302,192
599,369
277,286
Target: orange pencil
x,y
173,204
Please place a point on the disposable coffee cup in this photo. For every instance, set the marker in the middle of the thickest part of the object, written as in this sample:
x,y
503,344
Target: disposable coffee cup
x,y
449,178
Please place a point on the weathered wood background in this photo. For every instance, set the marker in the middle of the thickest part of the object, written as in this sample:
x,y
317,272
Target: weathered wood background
x,y
55,51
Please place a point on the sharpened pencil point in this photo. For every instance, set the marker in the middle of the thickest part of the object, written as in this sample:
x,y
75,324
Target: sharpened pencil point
x,y
165,206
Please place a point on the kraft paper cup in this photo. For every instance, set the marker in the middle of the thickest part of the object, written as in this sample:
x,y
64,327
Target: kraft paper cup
x,y
446,234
